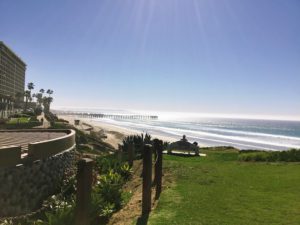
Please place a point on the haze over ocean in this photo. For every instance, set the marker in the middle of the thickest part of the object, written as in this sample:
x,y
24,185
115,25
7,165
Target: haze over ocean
x,y
242,133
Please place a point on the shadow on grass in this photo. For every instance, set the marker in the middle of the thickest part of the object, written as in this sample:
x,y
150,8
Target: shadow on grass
x,y
143,219
182,154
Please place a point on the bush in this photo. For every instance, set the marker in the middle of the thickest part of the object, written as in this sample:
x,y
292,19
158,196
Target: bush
x,y
138,142
107,163
51,117
81,137
292,155
109,187
62,120
126,171
38,111
64,214
19,115
29,113
33,119
23,125
107,195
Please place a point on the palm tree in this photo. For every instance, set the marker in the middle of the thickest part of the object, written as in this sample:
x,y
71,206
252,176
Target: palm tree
x,y
39,99
33,96
27,94
19,99
47,102
30,86
49,92
27,97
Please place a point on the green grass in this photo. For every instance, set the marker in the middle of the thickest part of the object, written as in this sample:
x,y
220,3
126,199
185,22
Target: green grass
x,y
218,189
19,120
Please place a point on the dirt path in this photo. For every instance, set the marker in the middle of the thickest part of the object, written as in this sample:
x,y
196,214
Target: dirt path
x,y
132,211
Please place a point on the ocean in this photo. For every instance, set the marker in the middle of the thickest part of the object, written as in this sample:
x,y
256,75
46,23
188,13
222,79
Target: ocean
x,y
240,133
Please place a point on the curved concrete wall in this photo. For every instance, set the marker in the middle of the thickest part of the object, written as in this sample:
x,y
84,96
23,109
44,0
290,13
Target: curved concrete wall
x,y
44,149
24,186
11,155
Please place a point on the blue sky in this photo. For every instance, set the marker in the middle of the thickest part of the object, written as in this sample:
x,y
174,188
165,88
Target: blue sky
x,y
206,56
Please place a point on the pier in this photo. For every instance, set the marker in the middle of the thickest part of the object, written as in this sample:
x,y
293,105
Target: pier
x,y
110,116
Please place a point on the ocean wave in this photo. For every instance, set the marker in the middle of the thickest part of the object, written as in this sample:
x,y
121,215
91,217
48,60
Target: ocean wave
x,y
241,138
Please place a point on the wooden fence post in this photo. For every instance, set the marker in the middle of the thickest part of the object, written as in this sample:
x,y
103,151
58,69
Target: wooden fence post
x,y
120,153
147,179
130,154
84,188
158,147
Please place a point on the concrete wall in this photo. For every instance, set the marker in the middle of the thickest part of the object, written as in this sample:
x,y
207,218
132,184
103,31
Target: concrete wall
x,y
26,182
24,187
44,149
9,156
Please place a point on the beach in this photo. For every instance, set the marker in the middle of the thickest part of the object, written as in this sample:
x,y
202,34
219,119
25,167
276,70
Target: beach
x,y
244,134
114,134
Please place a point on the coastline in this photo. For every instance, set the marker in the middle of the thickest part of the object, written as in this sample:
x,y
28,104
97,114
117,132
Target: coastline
x,y
115,134
243,135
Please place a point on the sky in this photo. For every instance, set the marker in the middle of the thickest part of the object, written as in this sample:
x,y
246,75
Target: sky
x,y
205,56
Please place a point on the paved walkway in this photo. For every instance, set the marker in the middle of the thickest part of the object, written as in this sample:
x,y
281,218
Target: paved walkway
x,y
46,123
24,138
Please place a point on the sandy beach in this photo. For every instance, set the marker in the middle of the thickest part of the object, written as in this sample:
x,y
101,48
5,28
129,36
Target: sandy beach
x,y
115,134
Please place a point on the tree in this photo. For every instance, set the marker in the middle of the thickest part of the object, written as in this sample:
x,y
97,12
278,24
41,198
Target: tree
x,y
27,96
47,102
32,97
30,86
39,99
49,92
19,99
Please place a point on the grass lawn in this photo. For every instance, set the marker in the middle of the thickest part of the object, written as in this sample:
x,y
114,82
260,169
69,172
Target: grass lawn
x,y
19,120
218,189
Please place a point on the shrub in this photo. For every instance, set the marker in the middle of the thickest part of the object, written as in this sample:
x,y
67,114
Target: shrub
x,y
107,210
292,155
109,187
107,163
126,171
62,120
22,125
107,195
33,119
51,117
138,142
63,215
38,111
80,137
18,115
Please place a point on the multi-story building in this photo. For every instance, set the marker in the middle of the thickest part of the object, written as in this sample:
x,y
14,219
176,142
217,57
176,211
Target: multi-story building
x,y
12,79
